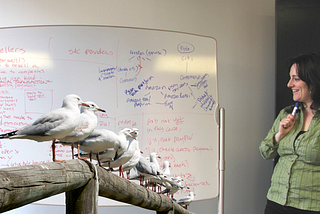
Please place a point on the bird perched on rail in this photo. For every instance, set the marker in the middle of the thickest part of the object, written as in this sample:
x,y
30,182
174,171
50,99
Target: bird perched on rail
x,y
161,175
173,185
109,154
87,124
54,125
146,168
135,158
186,200
102,139
125,156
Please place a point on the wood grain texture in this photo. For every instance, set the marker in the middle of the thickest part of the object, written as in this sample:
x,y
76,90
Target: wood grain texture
x,y
20,186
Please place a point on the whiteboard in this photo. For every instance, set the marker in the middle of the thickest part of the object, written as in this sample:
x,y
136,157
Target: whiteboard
x,y
163,83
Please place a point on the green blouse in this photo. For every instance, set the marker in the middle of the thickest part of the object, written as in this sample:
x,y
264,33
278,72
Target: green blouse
x,y
296,177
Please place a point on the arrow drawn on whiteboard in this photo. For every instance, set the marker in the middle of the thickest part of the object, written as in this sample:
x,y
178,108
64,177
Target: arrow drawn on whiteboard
x,y
191,93
167,104
140,67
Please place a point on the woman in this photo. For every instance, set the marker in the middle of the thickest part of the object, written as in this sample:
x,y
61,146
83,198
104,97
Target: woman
x,y
295,183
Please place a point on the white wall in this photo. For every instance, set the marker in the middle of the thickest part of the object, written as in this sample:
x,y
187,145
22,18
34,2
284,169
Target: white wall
x,y
245,34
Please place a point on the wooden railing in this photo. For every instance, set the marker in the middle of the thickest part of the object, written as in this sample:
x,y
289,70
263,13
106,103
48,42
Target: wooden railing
x,y
82,181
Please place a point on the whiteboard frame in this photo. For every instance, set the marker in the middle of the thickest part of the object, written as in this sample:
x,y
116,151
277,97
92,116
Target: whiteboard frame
x,y
221,160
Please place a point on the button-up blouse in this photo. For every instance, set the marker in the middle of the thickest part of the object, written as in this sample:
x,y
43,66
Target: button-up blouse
x,y
296,177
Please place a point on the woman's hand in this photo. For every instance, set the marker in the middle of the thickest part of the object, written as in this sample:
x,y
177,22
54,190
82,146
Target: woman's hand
x,y
285,127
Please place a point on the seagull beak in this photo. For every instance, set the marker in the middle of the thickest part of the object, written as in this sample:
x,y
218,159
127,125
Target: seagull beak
x,y
141,152
132,137
85,104
100,109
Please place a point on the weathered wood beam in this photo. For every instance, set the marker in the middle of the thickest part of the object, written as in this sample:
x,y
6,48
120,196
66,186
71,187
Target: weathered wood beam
x,y
116,188
23,185
20,186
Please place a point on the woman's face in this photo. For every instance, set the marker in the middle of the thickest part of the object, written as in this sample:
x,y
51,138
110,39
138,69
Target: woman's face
x,y
300,89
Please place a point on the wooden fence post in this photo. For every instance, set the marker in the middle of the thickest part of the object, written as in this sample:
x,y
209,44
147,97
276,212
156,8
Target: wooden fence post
x,y
84,200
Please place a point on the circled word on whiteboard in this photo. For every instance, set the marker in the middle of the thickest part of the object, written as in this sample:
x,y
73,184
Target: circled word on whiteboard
x,y
185,47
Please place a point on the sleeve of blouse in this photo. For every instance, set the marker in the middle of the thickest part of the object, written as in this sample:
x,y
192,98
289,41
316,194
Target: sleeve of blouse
x,y
268,149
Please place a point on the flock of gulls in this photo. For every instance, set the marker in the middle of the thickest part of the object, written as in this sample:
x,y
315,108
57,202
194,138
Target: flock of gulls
x,y
114,152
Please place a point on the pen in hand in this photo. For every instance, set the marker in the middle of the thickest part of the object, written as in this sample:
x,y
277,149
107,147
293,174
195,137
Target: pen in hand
x,y
295,109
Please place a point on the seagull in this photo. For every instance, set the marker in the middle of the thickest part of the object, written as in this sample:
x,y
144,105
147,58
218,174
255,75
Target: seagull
x,y
102,139
87,124
173,186
166,168
54,125
135,158
146,168
131,163
149,167
186,200
125,156
164,175
109,154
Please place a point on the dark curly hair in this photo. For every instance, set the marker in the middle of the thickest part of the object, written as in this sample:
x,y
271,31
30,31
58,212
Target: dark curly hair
x,y
309,71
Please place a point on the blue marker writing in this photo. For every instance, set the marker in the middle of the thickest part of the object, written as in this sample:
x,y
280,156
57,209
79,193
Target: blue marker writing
x,y
295,109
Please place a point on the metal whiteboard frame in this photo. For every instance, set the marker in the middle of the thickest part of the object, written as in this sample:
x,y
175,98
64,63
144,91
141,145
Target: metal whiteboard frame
x,y
221,159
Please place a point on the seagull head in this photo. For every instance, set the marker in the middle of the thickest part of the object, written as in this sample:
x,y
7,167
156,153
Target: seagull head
x,y
127,132
72,100
91,106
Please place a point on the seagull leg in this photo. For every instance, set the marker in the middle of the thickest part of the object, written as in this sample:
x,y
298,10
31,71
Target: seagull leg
x,y
79,153
53,146
105,168
154,188
79,150
98,159
128,174
72,152
121,171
